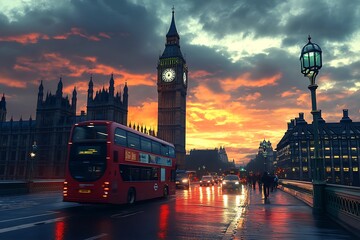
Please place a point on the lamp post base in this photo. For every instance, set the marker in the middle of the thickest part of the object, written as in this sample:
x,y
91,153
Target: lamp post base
x,y
29,186
319,203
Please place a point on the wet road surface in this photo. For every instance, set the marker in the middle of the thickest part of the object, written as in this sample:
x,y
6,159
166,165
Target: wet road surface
x,y
197,213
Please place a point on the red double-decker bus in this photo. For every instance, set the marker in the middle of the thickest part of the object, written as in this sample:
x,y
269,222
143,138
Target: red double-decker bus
x,y
111,163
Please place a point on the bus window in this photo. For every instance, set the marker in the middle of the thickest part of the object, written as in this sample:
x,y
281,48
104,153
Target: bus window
x,y
133,141
90,132
87,162
145,144
120,137
164,150
137,173
171,152
155,147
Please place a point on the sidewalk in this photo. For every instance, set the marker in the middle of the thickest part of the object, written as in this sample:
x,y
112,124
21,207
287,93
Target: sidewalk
x,y
285,217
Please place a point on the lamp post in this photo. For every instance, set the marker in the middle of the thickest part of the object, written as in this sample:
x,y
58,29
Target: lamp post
x,y
311,63
32,158
263,149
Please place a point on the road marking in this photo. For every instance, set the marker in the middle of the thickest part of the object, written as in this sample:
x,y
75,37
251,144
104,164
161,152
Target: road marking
x,y
124,215
97,237
15,219
238,219
29,225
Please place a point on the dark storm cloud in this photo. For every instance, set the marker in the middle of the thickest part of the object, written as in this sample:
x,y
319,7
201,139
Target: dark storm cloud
x,y
134,43
332,20
131,42
249,16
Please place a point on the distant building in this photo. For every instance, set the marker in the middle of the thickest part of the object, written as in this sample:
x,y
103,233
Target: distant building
x,y
263,162
55,116
205,161
339,147
223,155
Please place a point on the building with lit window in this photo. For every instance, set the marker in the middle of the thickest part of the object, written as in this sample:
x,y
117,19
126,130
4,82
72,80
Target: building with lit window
x,y
339,147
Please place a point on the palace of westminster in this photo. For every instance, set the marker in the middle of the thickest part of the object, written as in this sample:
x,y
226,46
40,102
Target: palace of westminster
x,y
56,114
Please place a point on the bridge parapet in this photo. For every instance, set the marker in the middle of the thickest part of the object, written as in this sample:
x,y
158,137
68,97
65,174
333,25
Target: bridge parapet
x,y
37,185
342,202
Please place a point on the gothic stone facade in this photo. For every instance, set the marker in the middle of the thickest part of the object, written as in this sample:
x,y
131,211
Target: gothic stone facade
x,y
55,116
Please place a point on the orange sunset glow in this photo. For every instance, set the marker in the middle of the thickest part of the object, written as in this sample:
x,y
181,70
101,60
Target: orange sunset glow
x,y
244,81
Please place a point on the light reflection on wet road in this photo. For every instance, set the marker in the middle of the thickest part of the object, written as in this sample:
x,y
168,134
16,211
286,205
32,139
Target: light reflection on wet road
x,y
197,213
208,212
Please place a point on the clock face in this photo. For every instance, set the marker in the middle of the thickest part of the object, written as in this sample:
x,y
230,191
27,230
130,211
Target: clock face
x,y
168,75
184,78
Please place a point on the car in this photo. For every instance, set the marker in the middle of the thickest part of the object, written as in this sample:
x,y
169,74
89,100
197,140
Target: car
x,y
216,179
231,182
182,180
207,180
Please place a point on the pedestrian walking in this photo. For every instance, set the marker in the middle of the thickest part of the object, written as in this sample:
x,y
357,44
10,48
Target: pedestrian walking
x,y
267,181
258,179
253,180
276,181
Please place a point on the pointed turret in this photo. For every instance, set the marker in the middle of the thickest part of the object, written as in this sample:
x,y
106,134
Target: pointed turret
x,y
59,91
40,94
172,30
73,101
111,88
3,109
90,90
125,96
172,46
3,103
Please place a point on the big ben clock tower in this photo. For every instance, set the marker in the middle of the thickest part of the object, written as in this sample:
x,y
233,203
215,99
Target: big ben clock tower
x,y
172,88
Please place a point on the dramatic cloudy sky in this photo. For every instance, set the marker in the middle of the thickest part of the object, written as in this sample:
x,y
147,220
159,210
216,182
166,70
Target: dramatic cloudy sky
x,y
243,56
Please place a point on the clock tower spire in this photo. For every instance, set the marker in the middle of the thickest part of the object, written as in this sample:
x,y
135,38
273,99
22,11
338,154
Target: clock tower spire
x,y
172,89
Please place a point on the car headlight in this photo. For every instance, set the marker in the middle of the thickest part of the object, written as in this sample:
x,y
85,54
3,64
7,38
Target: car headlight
x,y
224,182
236,182
185,180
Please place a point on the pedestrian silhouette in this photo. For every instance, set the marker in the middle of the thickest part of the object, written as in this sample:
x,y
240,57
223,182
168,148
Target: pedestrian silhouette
x,y
267,181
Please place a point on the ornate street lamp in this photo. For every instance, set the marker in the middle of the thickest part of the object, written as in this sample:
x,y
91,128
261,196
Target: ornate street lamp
x,y
33,153
263,149
311,63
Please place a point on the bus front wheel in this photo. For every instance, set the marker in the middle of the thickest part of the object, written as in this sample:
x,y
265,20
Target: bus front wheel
x,y
131,197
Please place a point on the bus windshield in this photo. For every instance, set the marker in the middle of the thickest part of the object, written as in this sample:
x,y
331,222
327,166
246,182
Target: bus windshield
x,y
89,132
